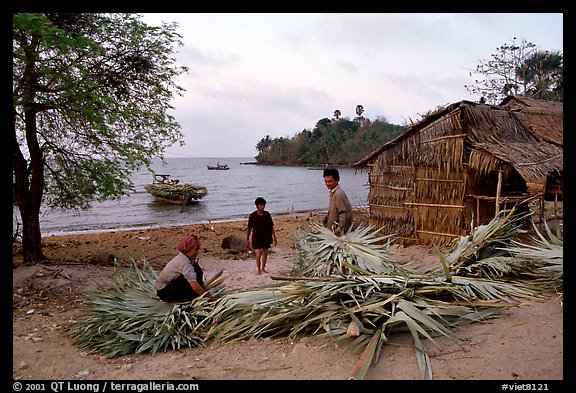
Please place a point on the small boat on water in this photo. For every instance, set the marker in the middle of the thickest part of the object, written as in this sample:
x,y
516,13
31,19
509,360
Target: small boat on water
x,y
218,167
173,192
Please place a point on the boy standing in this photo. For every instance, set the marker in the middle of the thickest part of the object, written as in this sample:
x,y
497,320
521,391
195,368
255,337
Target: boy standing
x,y
261,226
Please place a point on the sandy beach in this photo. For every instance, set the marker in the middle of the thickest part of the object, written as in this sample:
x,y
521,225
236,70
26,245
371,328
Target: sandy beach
x,y
527,344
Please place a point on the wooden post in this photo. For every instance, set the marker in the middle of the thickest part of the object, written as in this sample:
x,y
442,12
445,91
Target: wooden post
x,y
555,204
185,201
498,191
477,212
542,207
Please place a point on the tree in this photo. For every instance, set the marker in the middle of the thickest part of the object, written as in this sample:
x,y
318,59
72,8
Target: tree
x,y
337,114
543,75
340,142
90,99
263,147
511,71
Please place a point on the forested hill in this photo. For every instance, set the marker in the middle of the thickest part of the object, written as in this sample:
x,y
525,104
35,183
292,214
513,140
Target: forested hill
x,y
335,142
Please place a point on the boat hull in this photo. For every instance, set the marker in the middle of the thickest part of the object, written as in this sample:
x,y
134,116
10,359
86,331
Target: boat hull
x,y
173,201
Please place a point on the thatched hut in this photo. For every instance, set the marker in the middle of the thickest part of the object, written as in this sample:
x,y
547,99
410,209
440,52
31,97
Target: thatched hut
x,y
459,166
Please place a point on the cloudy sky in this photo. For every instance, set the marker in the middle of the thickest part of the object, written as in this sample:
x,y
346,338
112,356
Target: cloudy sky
x,y
257,74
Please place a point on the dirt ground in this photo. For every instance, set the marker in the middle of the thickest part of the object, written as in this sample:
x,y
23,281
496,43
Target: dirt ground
x,y
526,345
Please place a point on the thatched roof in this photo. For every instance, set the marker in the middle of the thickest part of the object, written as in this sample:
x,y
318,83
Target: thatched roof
x,y
533,162
497,135
546,118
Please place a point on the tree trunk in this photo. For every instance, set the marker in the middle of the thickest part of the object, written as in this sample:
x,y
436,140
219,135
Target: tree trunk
x,y
31,238
28,186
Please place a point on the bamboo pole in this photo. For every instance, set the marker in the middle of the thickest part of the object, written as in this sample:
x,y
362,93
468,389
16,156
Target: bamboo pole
x,y
441,180
477,211
414,239
498,191
437,233
555,205
292,278
542,208
391,187
443,137
433,205
388,206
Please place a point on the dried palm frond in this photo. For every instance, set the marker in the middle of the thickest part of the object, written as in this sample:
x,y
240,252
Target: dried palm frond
x,y
361,249
485,241
131,319
375,298
542,261
495,253
367,357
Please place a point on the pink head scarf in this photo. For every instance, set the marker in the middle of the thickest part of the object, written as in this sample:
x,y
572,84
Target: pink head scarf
x,y
188,242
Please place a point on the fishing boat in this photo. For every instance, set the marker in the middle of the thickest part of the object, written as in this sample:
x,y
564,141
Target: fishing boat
x,y
218,167
171,191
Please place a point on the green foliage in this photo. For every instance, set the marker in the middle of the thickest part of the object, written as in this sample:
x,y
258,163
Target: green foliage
x,y
520,70
91,99
543,72
177,192
338,141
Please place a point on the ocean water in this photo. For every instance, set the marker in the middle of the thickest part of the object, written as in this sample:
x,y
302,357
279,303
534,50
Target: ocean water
x,y
231,196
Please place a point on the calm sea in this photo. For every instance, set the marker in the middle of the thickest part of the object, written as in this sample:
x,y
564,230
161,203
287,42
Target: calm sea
x,y
231,196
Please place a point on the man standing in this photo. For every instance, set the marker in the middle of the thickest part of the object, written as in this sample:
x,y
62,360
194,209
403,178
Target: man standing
x,y
339,216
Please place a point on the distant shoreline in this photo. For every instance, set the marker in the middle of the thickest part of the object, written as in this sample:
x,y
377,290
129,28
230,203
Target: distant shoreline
x,y
311,165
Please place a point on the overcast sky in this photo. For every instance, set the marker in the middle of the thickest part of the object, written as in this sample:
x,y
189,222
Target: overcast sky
x,y
255,74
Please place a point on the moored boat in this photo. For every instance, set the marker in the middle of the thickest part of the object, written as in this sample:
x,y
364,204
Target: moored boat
x,y
174,192
218,167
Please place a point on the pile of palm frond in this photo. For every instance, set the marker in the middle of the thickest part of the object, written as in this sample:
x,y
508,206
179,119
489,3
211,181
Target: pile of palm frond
x,y
361,250
176,192
363,307
486,240
493,251
130,318
541,261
